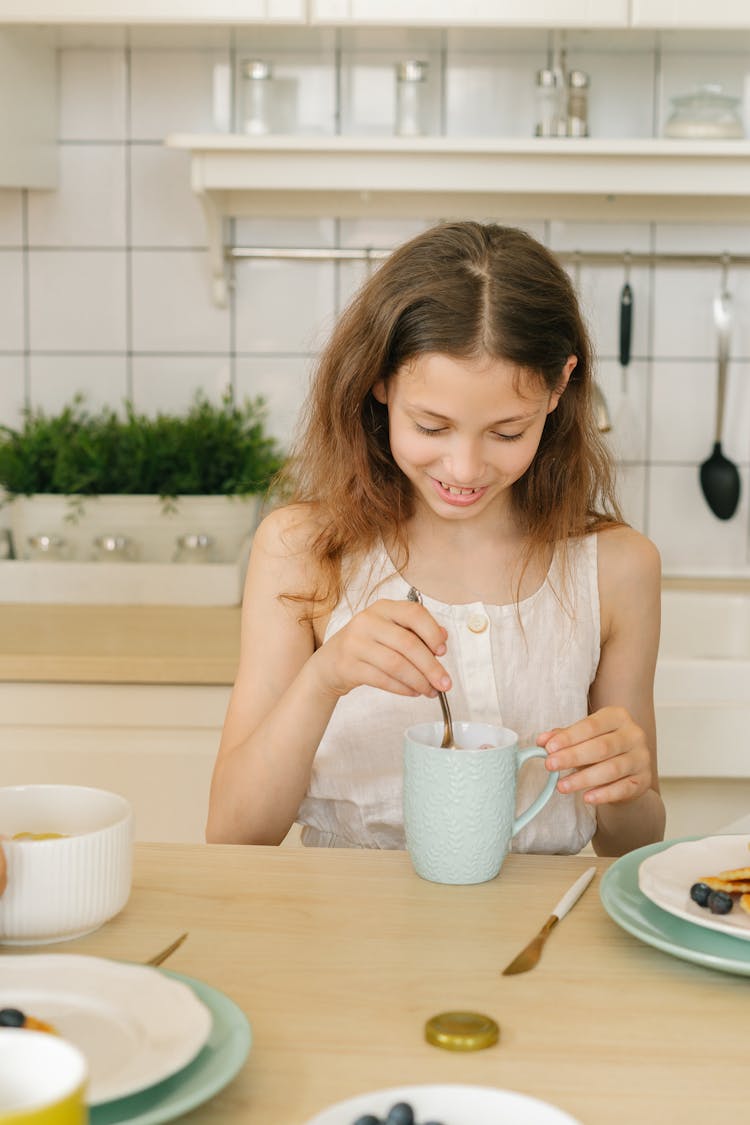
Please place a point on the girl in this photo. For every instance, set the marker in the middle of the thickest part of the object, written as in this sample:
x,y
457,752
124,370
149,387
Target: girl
x,y
448,445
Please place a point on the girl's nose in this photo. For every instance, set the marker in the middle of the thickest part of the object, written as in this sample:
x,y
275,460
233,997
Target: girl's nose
x,y
465,464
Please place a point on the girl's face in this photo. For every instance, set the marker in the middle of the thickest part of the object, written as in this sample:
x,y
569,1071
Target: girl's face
x,y
461,432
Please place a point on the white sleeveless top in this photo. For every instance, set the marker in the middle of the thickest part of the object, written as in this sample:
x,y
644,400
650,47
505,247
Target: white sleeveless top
x,y
528,678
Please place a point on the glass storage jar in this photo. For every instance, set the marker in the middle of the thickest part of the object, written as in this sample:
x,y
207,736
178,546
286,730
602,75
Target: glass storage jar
x,y
114,548
412,109
46,548
256,97
550,104
195,548
578,104
705,113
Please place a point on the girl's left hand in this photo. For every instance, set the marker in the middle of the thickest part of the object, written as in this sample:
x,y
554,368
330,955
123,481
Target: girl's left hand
x,y
608,752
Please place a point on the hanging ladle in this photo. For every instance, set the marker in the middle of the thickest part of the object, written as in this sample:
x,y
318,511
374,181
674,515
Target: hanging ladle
x,y
447,742
719,477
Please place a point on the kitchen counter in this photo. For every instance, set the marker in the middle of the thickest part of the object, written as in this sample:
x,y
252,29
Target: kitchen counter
x,y
119,644
153,644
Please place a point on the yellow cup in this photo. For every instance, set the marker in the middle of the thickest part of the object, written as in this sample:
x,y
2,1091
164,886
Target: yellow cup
x,y
42,1079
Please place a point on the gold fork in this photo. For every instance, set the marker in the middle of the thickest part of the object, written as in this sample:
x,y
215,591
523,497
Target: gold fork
x,y
159,958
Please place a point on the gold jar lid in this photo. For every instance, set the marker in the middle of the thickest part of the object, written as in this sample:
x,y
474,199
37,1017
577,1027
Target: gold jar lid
x,y
461,1031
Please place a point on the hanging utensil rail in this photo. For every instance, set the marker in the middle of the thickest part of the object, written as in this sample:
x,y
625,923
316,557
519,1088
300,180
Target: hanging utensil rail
x,y
583,257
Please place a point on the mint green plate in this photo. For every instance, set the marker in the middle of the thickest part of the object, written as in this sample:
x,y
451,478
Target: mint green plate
x,y
627,906
213,1067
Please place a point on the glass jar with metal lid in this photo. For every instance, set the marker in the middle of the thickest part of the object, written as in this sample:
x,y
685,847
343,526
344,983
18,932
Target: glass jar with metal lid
x,y
412,109
256,97
707,112
195,548
46,548
551,117
578,104
114,548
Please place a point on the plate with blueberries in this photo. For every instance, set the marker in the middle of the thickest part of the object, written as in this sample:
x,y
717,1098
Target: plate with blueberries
x,y
442,1105
704,881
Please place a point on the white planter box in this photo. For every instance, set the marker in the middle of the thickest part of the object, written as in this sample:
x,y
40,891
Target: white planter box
x,y
152,524
152,579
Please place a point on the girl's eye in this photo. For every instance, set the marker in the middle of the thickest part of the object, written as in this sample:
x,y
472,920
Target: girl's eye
x,y
425,430
509,437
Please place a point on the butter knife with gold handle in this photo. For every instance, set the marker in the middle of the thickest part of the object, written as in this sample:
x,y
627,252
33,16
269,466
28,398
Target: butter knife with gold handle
x,y
529,956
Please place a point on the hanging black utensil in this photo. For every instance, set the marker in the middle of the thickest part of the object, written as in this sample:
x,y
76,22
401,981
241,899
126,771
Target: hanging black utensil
x,y
719,477
626,331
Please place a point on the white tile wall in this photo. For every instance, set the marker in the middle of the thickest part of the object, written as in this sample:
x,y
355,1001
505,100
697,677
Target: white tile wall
x,y
88,207
104,282
77,301
171,309
11,301
11,217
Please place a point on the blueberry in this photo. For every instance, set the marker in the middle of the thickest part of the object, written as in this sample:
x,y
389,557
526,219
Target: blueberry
x,y
11,1017
367,1119
719,902
400,1114
699,893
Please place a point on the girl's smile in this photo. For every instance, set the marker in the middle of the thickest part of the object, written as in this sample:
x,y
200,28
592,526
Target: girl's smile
x,y
459,497
464,430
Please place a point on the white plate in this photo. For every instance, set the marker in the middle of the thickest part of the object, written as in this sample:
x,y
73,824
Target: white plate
x,y
453,1105
667,876
134,1025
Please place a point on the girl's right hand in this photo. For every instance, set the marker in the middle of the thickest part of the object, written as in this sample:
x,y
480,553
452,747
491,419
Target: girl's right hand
x,y
391,645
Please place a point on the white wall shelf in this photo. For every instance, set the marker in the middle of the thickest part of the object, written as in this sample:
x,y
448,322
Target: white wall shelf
x,y
135,12
472,13
440,177
587,14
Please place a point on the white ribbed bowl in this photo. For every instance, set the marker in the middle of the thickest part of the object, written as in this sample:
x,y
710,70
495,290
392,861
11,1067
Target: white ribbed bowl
x,y
62,889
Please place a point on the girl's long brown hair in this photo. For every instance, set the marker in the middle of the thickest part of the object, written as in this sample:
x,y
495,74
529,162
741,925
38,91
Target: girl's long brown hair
x,y
467,290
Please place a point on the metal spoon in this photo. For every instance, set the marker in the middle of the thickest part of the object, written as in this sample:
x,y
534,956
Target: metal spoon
x,y
447,743
160,958
720,478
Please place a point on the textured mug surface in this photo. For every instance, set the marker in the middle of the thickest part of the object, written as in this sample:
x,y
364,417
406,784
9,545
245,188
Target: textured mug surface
x,y
42,1079
459,804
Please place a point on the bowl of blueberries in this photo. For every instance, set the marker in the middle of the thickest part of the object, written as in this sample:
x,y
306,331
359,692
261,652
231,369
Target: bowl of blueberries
x,y
442,1105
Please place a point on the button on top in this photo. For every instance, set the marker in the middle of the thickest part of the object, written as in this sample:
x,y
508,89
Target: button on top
x,y
477,623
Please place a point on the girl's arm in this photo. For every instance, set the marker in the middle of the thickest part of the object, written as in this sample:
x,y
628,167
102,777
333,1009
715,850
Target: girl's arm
x,y
286,689
613,750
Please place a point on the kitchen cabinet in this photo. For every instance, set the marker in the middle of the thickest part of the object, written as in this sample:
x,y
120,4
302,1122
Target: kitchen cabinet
x,y
472,13
154,744
152,11
686,14
436,177
28,109
129,698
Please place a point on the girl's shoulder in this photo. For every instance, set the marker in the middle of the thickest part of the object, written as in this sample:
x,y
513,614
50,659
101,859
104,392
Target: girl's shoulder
x,y
627,555
288,530
282,542
629,570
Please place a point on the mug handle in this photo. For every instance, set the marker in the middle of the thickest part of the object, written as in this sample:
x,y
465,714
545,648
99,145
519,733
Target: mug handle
x,y
536,806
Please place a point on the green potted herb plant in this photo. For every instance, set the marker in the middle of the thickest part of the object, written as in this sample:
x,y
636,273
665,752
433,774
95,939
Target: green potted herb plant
x,y
79,474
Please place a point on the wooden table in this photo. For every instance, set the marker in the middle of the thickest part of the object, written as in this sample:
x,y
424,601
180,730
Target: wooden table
x,y
338,958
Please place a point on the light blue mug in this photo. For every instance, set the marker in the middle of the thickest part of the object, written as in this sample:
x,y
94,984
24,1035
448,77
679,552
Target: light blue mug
x,y
459,804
